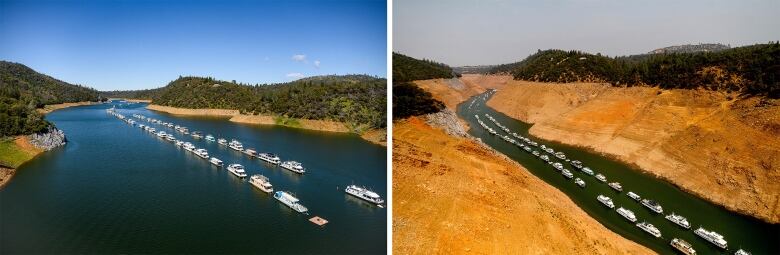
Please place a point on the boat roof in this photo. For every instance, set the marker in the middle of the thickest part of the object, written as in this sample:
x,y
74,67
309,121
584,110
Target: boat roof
x,y
289,197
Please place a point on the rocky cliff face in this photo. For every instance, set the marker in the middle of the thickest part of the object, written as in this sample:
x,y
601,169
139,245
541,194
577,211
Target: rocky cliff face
x,y
49,140
722,149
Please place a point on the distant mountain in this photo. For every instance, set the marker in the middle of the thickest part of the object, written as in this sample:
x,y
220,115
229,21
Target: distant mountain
x,y
406,68
22,90
358,100
751,70
691,48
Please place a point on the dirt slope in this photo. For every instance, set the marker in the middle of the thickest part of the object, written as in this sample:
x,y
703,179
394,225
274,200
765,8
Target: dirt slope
x,y
454,196
453,91
724,150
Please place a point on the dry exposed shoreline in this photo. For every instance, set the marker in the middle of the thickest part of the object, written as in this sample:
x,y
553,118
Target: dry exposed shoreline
x,y
454,196
374,136
730,145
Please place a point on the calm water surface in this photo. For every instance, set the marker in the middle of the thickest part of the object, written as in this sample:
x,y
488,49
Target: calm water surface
x,y
740,231
116,188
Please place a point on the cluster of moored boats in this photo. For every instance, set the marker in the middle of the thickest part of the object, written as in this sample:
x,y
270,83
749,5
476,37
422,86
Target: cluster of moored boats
x,y
547,154
234,144
259,181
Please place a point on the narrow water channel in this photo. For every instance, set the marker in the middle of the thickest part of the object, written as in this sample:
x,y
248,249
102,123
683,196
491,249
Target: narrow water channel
x,y
115,188
740,231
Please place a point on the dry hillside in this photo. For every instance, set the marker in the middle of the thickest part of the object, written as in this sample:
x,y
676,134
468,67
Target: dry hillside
x,y
455,196
454,91
722,149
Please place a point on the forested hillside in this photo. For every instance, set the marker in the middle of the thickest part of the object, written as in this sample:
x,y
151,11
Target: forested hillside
x,y
353,99
751,70
132,94
406,69
408,98
691,48
22,90
411,100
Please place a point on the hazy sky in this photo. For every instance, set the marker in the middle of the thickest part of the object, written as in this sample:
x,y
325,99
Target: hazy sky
x,y
479,32
146,44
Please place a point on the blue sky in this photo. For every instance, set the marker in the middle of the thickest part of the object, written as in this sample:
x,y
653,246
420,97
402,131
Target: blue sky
x,y
111,45
479,32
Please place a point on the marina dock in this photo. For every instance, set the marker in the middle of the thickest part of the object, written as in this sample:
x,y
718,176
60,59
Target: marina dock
x,y
318,220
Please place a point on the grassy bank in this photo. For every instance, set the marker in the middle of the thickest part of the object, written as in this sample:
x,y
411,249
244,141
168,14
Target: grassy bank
x,y
14,151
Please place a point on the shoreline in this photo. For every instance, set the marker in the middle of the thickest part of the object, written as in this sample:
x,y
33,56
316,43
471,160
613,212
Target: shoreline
x,y
22,151
53,107
473,200
647,149
436,157
18,151
374,136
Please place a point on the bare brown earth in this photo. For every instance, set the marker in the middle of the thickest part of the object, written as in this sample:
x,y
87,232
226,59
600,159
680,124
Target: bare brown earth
x,y
724,150
455,196
5,175
452,93
53,107
139,100
193,112
374,136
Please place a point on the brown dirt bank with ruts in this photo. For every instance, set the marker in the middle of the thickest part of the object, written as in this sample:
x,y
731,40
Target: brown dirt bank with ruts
x,y
373,136
455,196
720,147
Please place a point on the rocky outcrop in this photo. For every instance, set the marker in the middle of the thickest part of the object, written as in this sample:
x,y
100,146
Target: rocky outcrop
x,y
447,121
48,140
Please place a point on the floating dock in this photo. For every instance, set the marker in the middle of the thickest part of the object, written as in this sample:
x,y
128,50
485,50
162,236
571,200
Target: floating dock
x,y
319,221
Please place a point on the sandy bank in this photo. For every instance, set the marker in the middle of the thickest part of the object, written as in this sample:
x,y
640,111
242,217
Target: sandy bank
x,y
53,107
139,100
724,150
373,136
235,116
455,196
376,136
193,112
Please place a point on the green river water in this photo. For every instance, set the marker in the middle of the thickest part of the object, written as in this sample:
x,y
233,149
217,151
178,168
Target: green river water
x,y
740,231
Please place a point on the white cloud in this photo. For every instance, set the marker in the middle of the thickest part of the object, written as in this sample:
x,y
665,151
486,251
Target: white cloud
x,y
295,75
299,57
317,63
